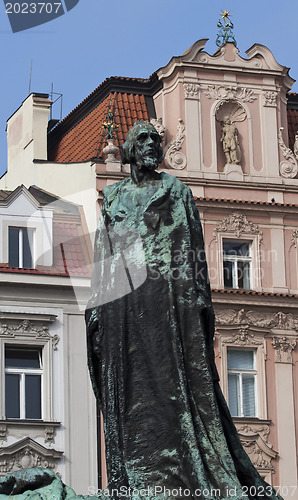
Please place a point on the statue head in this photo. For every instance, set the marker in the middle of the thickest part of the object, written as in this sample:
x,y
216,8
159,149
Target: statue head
x,y
142,146
227,120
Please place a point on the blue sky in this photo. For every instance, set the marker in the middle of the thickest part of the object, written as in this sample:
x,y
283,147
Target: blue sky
x,y
98,39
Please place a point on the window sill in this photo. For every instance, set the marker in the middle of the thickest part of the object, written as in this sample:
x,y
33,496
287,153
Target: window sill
x,y
41,428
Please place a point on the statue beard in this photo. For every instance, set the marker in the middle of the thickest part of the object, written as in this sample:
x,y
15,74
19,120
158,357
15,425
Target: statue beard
x,y
149,162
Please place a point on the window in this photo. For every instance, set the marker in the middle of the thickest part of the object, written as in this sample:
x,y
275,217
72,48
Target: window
x,y
23,382
237,262
20,247
242,382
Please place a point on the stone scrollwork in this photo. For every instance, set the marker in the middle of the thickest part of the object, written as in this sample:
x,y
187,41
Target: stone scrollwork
x,y
27,453
242,337
191,90
25,328
3,432
288,168
228,93
283,348
294,237
238,224
161,129
269,98
275,321
174,158
255,442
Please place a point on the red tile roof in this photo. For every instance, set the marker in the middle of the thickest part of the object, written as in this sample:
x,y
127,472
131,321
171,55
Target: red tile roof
x,y
68,256
85,140
70,249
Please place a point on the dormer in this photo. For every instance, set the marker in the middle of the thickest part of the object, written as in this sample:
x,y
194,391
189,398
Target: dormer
x,y
26,229
209,92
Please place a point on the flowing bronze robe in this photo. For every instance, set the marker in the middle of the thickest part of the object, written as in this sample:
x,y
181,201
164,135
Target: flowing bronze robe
x,y
150,327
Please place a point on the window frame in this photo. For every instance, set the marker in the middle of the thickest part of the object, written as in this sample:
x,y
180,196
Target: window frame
x,y
234,259
21,230
22,381
255,270
227,338
30,339
240,372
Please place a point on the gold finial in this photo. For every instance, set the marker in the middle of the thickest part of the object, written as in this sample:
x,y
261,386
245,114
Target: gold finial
x,y
225,14
225,26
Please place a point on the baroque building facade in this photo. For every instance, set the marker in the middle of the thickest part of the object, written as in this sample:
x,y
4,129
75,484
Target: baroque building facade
x,y
228,126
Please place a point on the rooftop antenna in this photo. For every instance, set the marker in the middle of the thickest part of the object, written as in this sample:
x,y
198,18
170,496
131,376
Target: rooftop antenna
x,y
60,96
225,26
30,76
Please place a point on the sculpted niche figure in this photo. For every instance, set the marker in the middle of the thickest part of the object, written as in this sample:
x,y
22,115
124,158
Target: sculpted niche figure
x,y
230,141
150,326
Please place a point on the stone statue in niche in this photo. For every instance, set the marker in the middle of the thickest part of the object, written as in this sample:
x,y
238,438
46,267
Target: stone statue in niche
x,y
296,146
150,327
230,141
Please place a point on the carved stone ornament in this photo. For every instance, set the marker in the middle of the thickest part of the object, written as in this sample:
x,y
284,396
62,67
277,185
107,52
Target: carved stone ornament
x,y
283,348
174,158
242,337
228,93
254,439
296,146
276,321
237,224
232,109
191,90
25,328
294,237
27,453
288,168
269,98
161,129
3,432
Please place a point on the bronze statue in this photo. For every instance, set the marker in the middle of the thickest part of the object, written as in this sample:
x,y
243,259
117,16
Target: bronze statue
x,y
150,326
168,430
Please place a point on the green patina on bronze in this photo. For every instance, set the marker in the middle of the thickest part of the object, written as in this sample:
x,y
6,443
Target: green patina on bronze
x,y
150,327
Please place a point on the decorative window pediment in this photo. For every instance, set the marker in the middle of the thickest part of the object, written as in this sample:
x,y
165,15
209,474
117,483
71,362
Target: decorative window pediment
x,y
238,225
27,453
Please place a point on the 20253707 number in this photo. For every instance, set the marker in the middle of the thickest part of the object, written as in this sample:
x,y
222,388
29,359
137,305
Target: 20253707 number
x,y
32,8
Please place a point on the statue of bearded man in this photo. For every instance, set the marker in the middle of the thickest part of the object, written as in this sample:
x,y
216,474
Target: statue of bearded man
x,y
150,327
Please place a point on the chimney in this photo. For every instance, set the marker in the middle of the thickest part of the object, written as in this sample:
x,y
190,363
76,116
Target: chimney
x,y
27,132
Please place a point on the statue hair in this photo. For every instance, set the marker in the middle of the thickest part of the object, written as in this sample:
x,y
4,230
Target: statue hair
x,y
127,152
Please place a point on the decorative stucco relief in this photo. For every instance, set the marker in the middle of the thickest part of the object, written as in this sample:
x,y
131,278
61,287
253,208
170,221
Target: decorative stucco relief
x,y
27,453
275,321
25,328
174,158
270,99
161,129
254,439
229,92
191,90
294,238
237,224
288,168
284,347
242,337
3,432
